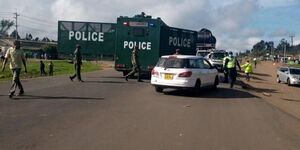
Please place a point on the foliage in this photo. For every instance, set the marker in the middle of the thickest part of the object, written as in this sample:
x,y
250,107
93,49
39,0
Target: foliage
x,y
49,48
5,25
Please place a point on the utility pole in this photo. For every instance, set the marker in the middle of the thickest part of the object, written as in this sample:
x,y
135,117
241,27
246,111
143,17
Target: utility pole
x,y
292,37
16,17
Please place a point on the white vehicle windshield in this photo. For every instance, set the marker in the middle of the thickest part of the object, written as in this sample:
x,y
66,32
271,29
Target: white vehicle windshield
x,y
218,56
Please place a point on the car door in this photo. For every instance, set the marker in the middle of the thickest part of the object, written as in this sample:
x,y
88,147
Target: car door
x,y
284,75
202,72
211,72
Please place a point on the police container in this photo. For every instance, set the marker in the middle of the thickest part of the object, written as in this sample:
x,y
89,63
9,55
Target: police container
x,y
96,39
153,38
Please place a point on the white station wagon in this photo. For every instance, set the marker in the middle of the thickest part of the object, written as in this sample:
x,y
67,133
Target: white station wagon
x,y
288,75
183,72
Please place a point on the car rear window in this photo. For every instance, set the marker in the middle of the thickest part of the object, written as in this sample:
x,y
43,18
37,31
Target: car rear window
x,y
295,71
180,63
218,55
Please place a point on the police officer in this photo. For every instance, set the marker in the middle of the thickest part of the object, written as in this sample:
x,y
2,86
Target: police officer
x,y
225,70
135,65
230,65
248,69
77,64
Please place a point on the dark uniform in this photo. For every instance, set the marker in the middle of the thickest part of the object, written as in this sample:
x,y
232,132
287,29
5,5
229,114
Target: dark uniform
x,y
51,66
135,65
230,65
77,64
42,68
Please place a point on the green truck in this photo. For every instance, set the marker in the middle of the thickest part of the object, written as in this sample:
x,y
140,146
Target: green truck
x,y
153,38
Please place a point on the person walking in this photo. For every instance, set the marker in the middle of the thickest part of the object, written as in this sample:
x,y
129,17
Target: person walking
x,y
248,69
77,60
255,62
230,64
135,65
51,66
16,57
42,68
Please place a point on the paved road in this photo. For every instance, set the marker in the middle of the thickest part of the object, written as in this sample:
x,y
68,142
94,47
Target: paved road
x,y
107,113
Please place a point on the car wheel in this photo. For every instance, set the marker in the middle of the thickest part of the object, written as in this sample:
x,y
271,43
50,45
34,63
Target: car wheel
x,y
216,83
158,89
278,80
196,89
288,82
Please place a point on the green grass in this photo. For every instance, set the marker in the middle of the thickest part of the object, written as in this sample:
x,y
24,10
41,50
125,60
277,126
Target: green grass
x,y
294,65
60,67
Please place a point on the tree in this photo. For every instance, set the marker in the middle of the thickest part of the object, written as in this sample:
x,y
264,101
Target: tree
x,y
13,34
50,50
283,45
259,49
5,25
45,39
28,36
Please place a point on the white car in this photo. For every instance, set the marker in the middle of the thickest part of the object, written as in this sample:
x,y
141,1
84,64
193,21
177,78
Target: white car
x,y
183,72
288,75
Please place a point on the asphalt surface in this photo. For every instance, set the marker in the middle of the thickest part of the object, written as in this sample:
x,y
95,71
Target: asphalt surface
x,y
108,113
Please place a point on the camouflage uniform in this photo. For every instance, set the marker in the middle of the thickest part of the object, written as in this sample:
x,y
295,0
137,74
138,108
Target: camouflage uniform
x,y
135,65
77,64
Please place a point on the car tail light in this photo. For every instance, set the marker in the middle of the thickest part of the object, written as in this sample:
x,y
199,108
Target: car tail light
x,y
173,56
185,74
120,65
150,67
154,72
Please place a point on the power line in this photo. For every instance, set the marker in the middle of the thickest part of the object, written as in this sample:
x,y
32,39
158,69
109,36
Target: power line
x,y
37,19
36,22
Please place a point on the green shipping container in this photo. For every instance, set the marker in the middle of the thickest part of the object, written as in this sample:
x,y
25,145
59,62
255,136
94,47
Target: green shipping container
x,y
154,39
94,38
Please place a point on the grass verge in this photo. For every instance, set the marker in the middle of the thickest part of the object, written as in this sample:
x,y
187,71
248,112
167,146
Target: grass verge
x,y
60,67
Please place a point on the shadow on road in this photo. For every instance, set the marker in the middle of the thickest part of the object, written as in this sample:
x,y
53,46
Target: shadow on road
x,y
104,82
31,97
261,74
292,100
225,93
256,89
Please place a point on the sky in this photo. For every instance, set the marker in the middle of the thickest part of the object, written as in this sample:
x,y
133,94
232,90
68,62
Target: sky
x,y
236,24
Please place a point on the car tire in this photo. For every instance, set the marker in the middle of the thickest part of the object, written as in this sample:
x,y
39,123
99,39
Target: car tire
x,y
196,89
278,80
158,89
288,82
216,83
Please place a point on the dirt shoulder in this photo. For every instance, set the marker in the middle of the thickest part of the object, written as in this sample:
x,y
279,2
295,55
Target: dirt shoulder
x,y
263,84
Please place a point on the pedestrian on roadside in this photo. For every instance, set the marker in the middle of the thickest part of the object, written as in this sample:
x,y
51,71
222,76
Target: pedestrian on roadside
x,y
77,60
248,69
255,62
42,68
51,67
230,64
16,57
135,65
177,51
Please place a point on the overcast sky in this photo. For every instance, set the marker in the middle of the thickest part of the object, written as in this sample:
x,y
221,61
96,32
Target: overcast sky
x,y
237,24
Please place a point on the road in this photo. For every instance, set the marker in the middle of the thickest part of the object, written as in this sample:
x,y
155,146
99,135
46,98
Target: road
x,y
108,113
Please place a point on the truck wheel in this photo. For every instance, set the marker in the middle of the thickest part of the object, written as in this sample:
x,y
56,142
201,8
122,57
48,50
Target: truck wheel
x,y
278,80
158,89
125,73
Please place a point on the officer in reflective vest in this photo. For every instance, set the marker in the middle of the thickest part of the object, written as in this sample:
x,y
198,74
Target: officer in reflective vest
x,y
225,70
248,69
230,65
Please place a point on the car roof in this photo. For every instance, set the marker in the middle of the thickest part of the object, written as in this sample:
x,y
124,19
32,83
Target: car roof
x,y
182,56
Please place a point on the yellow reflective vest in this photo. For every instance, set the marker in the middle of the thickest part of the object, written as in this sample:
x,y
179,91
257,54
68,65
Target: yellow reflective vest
x,y
248,67
231,62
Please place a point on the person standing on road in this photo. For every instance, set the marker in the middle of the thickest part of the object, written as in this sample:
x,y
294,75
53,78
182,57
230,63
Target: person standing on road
x,y
135,65
248,69
255,62
77,64
16,57
230,64
177,51
225,70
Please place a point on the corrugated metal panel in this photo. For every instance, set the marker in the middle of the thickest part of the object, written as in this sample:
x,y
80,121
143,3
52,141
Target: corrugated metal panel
x,y
94,38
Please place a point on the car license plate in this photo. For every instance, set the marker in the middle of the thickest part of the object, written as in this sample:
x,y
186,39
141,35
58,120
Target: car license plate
x,y
168,76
